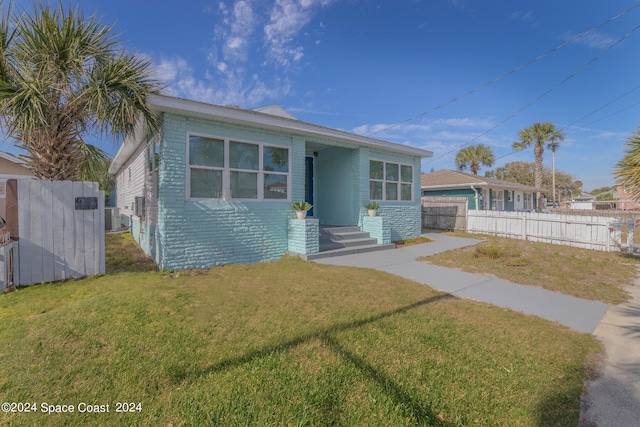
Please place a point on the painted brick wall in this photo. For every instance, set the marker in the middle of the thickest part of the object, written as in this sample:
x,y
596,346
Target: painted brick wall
x,y
304,236
378,227
144,234
201,234
405,217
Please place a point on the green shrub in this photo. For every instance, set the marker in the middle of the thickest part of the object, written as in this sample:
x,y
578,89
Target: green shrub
x,y
494,252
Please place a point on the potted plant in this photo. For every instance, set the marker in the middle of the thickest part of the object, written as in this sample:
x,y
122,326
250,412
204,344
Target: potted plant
x,y
372,207
301,208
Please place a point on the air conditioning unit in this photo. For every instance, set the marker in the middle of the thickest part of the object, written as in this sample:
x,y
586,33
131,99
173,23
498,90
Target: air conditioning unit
x,y
138,206
111,219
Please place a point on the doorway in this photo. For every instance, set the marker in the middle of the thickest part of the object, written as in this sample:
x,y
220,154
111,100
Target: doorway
x,y
308,182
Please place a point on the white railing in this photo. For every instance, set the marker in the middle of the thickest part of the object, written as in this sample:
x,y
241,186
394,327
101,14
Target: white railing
x,y
586,232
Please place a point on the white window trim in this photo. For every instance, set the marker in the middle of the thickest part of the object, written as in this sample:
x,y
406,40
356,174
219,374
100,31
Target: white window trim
x,y
498,202
384,181
226,171
527,201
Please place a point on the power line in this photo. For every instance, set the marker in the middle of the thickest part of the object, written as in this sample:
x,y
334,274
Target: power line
x,y
518,68
547,92
598,109
590,123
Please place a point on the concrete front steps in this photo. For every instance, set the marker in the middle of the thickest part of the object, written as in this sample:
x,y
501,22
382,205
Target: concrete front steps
x,y
337,241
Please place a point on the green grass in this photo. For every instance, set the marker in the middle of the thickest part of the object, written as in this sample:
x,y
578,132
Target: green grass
x,y
415,241
593,275
283,343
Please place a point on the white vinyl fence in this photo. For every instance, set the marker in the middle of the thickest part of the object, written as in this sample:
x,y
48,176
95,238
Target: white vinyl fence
x,y
572,230
61,231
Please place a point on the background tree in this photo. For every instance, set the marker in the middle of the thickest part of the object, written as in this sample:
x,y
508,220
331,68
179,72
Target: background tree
x,y
524,173
474,156
537,135
597,191
63,76
627,170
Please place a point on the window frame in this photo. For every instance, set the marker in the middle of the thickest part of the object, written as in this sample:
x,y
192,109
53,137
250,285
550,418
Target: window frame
x,y
226,170
496,201
527,199
398,182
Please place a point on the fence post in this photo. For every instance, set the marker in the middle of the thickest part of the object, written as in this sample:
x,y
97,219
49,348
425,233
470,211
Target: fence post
x,y
630,226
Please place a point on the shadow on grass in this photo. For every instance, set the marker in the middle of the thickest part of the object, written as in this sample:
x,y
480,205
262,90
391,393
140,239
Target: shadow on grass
x,y
417,410
411,408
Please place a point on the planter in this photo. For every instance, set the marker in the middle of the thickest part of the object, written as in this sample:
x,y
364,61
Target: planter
x,y
301,214
372,212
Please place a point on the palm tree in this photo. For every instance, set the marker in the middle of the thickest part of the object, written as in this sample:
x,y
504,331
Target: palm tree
x,y
539,134
628,169
553,146
63,76
473,157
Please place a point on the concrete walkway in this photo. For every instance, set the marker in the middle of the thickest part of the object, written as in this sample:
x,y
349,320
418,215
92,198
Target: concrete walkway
x,y
613,399
578,314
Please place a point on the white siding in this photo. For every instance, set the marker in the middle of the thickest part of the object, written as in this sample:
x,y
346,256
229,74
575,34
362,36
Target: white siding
x,y
134,180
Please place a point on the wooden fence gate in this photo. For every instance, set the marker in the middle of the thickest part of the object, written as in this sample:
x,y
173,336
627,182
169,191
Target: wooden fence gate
x,y
446,213
58,227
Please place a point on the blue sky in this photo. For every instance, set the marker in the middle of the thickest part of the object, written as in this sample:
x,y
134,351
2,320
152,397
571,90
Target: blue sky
x,y
365,65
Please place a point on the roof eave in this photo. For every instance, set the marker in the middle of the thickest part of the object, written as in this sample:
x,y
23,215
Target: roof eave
x,y
161,103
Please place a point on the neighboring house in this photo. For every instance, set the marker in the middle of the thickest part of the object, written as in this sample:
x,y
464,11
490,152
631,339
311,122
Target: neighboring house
x,y
483,193
11,167
624,200
583,201
214,186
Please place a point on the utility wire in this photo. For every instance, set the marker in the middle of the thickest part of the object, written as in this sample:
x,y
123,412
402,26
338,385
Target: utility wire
x,y
598,109
590,123
518,68
563,81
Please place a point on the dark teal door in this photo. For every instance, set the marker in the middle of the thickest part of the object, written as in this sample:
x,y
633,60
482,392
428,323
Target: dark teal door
x,y
308,182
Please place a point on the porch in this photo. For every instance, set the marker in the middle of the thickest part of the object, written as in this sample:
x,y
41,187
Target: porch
x,y
311,241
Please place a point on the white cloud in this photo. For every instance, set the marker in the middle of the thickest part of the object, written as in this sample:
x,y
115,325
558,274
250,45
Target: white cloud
x,y
178,76
593,40
251,39
286,20
527,17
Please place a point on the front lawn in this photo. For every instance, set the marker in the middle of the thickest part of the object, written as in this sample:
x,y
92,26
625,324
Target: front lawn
x,y
283,343
592,275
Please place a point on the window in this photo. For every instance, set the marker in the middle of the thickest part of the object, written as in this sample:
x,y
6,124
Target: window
x,y
390,181
222,168
528,201
153,155
498,200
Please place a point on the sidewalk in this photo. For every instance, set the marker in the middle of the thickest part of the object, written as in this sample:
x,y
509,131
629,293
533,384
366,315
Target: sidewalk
x,y
578,314
613,399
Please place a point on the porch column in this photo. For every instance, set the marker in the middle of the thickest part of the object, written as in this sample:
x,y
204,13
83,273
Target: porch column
x,y
304,236
378,227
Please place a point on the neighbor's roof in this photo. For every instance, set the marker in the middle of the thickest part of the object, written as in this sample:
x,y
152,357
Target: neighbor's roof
x,y
448,179
269,118
13,158
584,197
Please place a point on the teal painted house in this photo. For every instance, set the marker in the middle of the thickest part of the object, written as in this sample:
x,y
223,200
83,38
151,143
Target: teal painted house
x,y
483,193
215,184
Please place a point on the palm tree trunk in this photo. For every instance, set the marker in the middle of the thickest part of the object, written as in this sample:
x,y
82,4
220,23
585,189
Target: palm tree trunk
x,y
553,175
537,151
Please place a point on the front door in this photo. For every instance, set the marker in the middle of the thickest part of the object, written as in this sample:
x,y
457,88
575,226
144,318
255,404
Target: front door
x,y
308,182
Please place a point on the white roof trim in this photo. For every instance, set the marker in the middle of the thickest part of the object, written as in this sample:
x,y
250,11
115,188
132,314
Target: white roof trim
x,y
13,158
